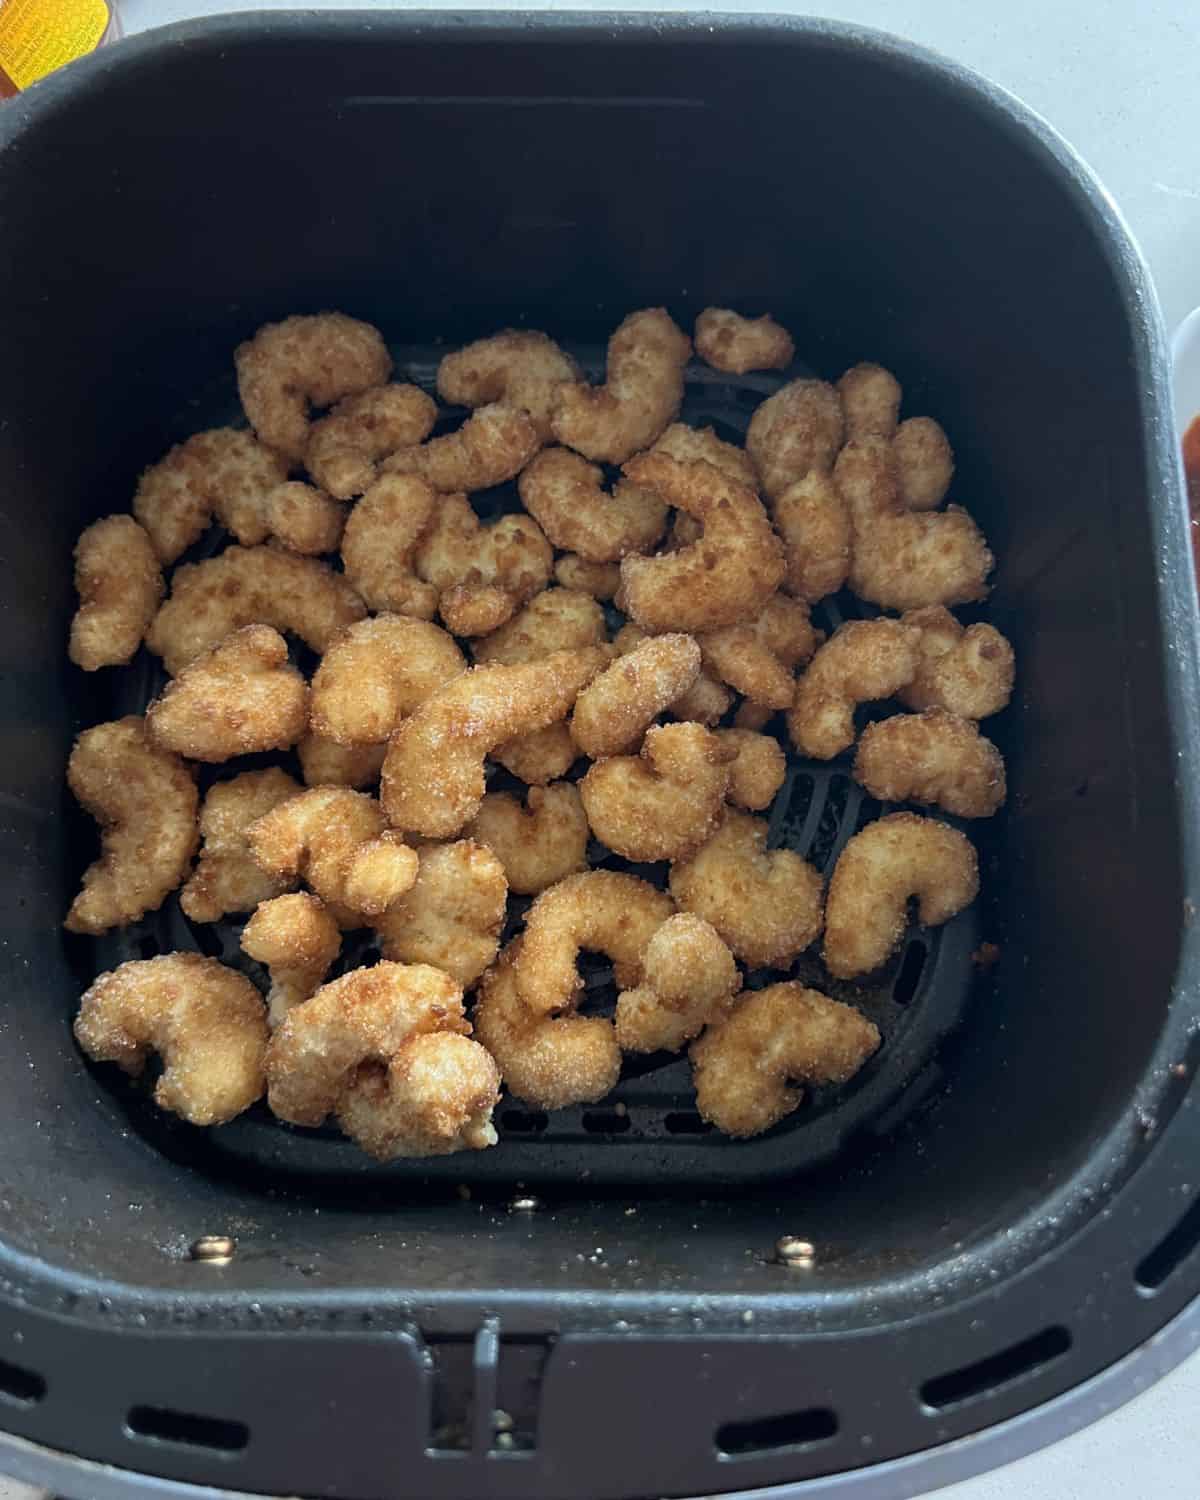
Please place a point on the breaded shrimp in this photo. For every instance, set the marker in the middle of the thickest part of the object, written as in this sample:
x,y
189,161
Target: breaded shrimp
x,y
861,661
433,774
689,982
933,758
298,940
705,702
759,655
483,573
549,1061
614,711
728,341
452,916
518,367
323,762
784,1034
758,769
375,673
555,620
322,358
888,862
601,580
226,878
303,519
565,495
145,801
538,844
240,697
642,394
380,542
818,538
766,906
870,401
965,671
663,803
492,445
120,586
798,429
205,1021
718,580
602,911
345,448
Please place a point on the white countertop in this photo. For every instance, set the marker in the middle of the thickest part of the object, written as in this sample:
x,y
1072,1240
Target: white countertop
x,y
1121,83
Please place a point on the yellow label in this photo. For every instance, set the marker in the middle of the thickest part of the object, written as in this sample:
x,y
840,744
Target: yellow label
x,y
37,36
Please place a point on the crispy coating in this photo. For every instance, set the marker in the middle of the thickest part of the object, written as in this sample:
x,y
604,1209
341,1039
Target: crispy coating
x,y
690,981
223,472
766,906
484,572
934,758
539,757
323,762
965,671
690,445
758,769
226,878
565,495
663,803
728,341
375,673
718,580
205,1021
492,445
338,842
784,1034
380,542
614,711
320,358
120,585
601,580
603,911
240,697
436,1097
360,1049
862,660
298,940
924,463
879,870
538,844
642,394
433,774
751,715
452,916
145,801
304,519
758,656
549,1061
250,586
818,538
518,367
705,702
798,429
554,620
345,448
870,401
906,559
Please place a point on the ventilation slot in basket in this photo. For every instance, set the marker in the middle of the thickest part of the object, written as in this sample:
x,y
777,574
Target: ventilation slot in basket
x,y
160,1424
789,1430
987,1376
1170,1251
20,1386
605,1122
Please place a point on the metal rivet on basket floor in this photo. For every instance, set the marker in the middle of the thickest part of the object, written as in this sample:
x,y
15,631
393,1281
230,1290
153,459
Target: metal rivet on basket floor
x,y
524,1203
791,1250
216,1249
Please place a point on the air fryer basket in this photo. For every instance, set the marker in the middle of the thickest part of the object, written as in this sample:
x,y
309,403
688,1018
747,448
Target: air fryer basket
x,y
1003,1205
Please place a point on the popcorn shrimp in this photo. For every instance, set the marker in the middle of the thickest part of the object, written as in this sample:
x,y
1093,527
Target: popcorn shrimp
x,y
861,661
758,769
538,844
779,1036
323,762
705,702
321,359
452,916
870,401
965,671
518,367
689,982
554,620
380,542
601,580
298,940
717,580
492,445
120,587
798,429
766,905
728,341
644,389
484,573
205,1021
613,711
226,878
303,519
378,671
897,857
144,800
934,758
240,697
663,803
814,524
345,448
758,656
565,495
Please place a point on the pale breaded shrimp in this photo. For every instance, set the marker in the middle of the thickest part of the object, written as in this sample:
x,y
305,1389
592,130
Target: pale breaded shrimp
x,y
298,940
728,341
538,844
870,401
863,660
518,367
798,429
705,702
934,758
345,448
758,656
614,711
375,673
758,769
226,877
493,445
565,495
560,619
484,573
120,586
965,671
689,981
323,762
601,580
452,916
380,541
303,519
814,524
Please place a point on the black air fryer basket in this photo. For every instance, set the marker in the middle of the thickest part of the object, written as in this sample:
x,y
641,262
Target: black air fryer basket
x,y
1003,1207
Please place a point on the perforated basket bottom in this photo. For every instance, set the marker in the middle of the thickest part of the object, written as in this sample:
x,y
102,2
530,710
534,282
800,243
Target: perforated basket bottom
x,y
648,1130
